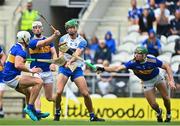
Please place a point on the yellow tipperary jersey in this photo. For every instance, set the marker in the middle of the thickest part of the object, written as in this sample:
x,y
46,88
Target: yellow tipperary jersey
x,y
1,67
10,72
40,53
147,70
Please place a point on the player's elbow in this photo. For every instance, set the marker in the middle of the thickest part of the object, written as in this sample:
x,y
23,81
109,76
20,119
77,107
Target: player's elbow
x,y
166,66
119,68
17,65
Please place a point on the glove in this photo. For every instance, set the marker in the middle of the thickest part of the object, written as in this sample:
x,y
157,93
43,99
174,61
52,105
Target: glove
x,y
100,69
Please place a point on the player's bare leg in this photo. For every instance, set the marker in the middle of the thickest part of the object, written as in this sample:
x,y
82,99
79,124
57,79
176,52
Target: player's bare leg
x,y
163,91
151,98
38,103
48,89
1,104
61,82
36,84
82,85
26,92
38,108
28,81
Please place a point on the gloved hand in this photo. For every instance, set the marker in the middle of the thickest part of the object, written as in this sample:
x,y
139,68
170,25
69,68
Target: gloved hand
x,y
100,69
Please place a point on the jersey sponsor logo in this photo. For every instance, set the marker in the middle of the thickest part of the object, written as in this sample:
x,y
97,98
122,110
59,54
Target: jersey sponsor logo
x,y
45,49
143,71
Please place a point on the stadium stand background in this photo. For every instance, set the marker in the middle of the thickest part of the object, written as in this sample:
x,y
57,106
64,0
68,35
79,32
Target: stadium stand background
x,y
96,18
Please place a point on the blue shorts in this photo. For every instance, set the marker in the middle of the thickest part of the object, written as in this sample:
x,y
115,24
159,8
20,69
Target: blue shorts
x,y
67,72
1,77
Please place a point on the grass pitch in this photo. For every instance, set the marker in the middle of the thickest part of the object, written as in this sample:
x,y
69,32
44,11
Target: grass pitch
x,y
27,122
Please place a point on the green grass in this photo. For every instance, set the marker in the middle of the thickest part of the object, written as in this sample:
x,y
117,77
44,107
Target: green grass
x,y
26,122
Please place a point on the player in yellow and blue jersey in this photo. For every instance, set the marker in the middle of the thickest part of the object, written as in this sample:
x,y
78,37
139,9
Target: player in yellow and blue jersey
x,y
146,68
12,77
2,85
78,44
41,47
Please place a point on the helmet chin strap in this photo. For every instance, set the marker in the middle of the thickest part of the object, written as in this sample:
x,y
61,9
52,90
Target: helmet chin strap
x,y
38,35
26,45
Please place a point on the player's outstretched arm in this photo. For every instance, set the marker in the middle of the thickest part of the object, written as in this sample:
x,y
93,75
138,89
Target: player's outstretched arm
x,y
111,68
48,40
167,68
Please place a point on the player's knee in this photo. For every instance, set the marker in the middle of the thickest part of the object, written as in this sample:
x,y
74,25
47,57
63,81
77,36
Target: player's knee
x,y
85,94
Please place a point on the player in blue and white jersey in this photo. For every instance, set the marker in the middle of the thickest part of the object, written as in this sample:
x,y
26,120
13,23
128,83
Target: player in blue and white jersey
x,y
41,47
2,85
12,77
146,68
78,44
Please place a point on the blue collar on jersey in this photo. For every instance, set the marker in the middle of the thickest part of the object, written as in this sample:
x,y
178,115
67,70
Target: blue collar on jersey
x,y
21,45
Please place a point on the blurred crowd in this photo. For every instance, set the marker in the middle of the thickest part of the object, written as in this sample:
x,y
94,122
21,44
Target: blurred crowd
x,y
158,23
164,13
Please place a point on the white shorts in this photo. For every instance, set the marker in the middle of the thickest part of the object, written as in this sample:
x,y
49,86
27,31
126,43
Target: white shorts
x,y
47,77
150,84
2,86
13,83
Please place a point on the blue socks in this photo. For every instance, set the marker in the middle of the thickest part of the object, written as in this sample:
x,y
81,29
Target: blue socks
x,y
57,112
92,115
38,111
30,106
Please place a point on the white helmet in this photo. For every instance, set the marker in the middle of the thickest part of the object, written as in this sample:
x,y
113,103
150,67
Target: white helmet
x,y
23,36
36,23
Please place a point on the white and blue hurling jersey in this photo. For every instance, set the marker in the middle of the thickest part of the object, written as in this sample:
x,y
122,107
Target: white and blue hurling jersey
x,y
74,44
